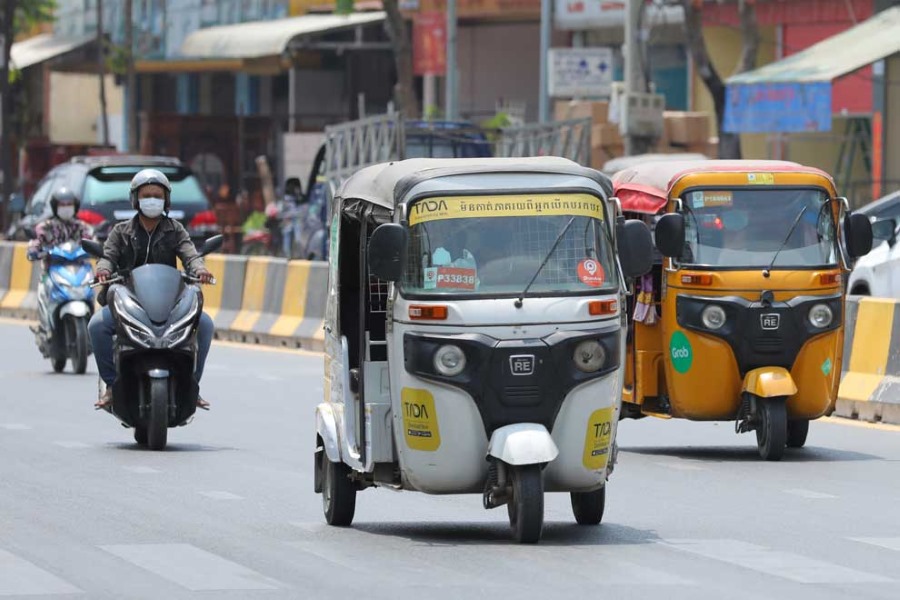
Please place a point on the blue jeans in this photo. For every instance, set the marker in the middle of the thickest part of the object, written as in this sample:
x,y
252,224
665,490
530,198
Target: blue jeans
x,y
103,327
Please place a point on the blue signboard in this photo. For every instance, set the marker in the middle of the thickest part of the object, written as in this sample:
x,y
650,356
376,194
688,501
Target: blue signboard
x,y
778,107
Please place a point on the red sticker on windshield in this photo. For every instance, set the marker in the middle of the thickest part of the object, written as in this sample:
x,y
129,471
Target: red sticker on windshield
x,y
590,272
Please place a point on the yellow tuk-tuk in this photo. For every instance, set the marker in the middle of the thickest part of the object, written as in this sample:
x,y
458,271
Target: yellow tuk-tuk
x,y
742,315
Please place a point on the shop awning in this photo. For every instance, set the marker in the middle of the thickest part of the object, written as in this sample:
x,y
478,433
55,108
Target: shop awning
x,y
794,94
40,48
258,39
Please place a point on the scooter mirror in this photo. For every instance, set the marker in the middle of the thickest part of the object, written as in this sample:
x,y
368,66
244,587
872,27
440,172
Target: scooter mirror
x,y
670,235
857,235
635,245
212,244
387,251
93,248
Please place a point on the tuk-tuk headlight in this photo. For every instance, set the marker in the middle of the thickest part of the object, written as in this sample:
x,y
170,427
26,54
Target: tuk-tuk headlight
x,y
820,316
449,360
713,317
589,356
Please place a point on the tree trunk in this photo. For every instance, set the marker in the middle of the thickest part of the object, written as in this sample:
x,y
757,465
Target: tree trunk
x,y
7,32
101,64
404,93
131,80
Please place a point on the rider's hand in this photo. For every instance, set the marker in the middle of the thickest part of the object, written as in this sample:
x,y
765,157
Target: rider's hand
x,y
102,276
204,276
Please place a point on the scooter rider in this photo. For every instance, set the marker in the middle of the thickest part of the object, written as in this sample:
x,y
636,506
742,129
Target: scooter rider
x,y
59,228
151,237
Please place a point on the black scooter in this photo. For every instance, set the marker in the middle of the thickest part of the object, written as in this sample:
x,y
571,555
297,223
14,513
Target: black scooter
x,y
157,309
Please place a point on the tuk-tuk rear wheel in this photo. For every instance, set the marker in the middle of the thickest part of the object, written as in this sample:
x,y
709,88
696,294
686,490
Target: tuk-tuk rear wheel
x,y
338,493
797,430
588,506
526,506
771,428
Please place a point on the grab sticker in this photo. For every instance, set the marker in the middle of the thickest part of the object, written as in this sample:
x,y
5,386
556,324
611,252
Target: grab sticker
x,y
420,422
680,352
761,178
591,273
598,439
450,277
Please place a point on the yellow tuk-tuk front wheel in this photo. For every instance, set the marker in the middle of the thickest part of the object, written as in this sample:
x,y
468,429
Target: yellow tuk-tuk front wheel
x,y
771,427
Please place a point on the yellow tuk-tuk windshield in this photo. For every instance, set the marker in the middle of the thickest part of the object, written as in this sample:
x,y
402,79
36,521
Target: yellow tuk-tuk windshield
x,y
746,227
496,245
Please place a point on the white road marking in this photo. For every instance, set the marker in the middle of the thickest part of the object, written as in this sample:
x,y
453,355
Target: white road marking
x,y
680,466
809,494
15,426
66,444
219,495
191,567
267,377
141,469
773,562
18,577
882,542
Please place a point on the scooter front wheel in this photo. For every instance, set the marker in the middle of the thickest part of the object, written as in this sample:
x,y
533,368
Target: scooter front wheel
x,y
158,421
771,428
338,493
526,507
79,344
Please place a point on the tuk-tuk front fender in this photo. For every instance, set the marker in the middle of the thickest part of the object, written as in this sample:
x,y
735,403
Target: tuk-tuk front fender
x,y
523,444
769,382
326,428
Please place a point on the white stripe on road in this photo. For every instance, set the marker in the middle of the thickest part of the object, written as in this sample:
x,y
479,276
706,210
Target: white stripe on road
x,y
191,567
142,470
773,562
266,377
810,494
889,543
680,466
18,577
15,426
65,444
217,495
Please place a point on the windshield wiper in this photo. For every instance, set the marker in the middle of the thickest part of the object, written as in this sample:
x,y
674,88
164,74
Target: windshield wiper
x,y
790,232
559,238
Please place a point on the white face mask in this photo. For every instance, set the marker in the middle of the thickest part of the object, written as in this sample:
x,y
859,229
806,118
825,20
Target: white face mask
x,y
152,207
66,213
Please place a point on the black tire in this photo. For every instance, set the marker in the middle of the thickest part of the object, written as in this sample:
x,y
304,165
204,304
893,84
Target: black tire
x,y
158,417
79,344
140,435
797,430
588,506
58,364
526,506
338,493
771,430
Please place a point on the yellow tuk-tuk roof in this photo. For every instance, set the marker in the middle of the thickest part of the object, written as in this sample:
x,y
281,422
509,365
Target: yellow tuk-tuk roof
x,y
382,184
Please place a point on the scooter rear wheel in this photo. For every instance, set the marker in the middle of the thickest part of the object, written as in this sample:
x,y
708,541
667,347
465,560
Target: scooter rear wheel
x,y
526,507
588,506
158,421
338,493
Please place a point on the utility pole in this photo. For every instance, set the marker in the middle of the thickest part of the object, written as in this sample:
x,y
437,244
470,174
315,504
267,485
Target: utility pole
x,y
101,65
6,39
634,71
131,133
546,27
452,91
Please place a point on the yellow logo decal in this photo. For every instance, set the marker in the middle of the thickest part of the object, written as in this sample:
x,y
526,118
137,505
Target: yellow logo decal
x,y
436,209
598,439
420,422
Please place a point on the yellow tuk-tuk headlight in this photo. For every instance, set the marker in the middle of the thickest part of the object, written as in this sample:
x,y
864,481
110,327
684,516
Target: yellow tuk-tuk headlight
x,y
820,316
589,356
449,360
713,317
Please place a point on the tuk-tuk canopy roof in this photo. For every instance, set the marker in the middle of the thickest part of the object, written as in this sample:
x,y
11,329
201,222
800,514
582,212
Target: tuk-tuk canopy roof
x,y
385,184
644,188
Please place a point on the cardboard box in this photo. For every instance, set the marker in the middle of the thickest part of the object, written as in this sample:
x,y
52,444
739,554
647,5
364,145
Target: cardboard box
x,y
600,155
598,112
685,128
606,134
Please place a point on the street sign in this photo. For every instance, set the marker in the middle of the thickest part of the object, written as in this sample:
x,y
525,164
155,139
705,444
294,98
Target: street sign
x,y
581,72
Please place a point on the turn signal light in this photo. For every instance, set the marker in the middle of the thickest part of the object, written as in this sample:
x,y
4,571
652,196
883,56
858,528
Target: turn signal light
x,y
428,313
830,278
90,217
696,279
597,308
206,218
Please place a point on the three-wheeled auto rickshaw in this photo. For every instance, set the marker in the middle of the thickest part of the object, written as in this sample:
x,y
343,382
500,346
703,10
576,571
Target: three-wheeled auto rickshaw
x,y
742,317
474,332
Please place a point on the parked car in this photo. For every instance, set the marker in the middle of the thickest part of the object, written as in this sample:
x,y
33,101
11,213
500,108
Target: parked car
x,y
103,184
878,272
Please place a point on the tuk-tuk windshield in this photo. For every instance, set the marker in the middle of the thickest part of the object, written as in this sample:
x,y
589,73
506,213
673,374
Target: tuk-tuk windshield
x,y
746,227
495,245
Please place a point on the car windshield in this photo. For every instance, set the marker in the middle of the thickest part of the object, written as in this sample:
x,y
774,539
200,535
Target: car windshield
x,y
112,184
747,227
496,245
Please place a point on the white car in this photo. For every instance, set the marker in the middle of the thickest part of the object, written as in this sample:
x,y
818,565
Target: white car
x,y
878,272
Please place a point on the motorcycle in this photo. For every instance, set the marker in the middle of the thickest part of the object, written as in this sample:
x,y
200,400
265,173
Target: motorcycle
x,y
157,310
65,306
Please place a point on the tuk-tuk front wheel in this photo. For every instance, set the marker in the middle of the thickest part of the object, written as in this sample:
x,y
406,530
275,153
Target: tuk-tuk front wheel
x,y
338,493
526,506
771,427
588,506
797,430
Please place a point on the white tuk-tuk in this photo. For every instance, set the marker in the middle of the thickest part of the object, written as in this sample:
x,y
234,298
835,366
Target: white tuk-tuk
x,y
475,331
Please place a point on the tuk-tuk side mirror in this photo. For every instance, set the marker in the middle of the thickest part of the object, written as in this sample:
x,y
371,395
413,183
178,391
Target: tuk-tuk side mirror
x,y
857,235
387,251
93,248
885,230
211,245
670,235
635,246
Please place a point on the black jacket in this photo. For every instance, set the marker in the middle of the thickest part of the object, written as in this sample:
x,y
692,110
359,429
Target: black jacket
x,y
169,241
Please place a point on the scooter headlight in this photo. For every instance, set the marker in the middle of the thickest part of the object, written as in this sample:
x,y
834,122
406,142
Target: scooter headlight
x,y
820,316
449,360
589,356
713,317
